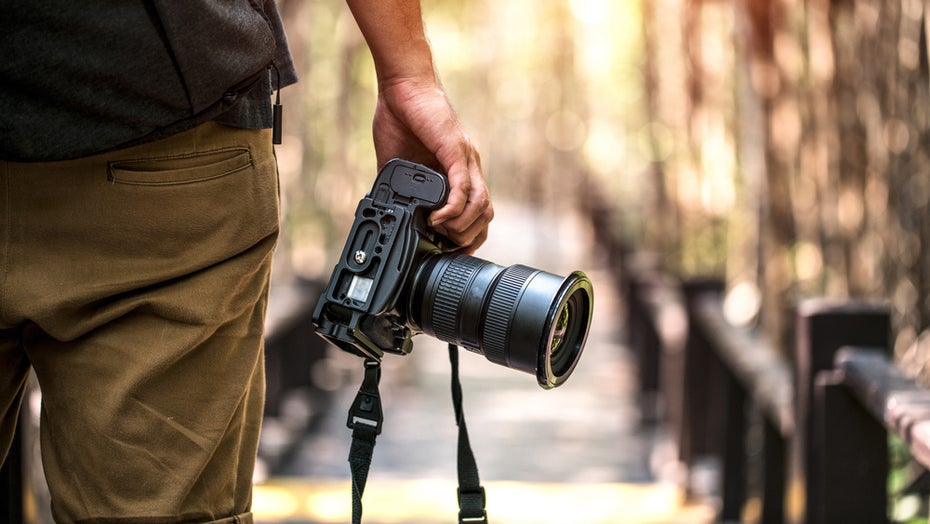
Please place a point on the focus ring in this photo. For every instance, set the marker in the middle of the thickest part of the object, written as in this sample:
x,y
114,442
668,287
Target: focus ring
x,y
452,285
501,311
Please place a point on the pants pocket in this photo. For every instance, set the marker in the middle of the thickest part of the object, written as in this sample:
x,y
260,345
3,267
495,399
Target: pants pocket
x,y
182,169
162,217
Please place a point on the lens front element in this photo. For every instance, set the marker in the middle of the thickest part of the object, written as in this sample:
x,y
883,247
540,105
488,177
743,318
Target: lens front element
x,y
519,317
567,330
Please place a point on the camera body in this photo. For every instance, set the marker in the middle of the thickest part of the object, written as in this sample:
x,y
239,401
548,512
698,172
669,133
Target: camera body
x,y
396,278
359,310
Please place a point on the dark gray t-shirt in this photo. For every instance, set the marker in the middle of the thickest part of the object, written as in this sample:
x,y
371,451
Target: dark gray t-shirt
x,y
254,110
81,78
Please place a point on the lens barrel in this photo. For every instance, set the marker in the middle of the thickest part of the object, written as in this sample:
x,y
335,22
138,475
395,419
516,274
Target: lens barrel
x,y
519,317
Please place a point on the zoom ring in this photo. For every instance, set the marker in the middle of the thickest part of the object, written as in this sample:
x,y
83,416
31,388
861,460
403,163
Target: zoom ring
x,y
501,310
452,286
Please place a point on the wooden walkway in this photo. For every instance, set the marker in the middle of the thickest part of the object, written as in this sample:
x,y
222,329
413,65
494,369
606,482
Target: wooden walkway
x,y
577,454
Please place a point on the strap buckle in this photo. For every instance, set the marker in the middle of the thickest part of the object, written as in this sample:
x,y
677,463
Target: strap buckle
x,y
365,413
472,502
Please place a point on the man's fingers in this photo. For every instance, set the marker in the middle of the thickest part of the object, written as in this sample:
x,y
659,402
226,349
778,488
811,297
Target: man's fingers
x,y
460,188
470,229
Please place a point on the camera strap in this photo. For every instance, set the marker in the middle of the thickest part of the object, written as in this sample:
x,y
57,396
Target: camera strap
x,y
471,493
365,421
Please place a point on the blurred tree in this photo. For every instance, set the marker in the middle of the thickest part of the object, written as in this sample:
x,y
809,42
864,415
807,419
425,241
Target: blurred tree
x,y
827,106
780,144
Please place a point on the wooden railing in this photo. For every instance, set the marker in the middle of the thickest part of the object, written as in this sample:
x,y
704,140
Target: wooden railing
x,y
817,415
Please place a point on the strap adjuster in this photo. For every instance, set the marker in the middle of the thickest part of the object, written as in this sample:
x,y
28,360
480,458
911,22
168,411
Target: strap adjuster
x,y
472,504
365,413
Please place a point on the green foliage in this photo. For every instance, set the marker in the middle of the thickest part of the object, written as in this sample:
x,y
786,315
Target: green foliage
x,y
906,506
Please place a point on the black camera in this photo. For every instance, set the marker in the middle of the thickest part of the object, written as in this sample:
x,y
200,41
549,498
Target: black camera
x,y
396,278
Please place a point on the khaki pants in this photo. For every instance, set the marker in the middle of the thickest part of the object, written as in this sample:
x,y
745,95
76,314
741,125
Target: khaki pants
x,y
135,284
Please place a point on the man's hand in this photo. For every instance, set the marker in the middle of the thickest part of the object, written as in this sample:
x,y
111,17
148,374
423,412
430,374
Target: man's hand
x,y
413,119
416,122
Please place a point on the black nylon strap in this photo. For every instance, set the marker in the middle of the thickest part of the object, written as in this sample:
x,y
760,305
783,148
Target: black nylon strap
x,y
360,453
365,420
471,494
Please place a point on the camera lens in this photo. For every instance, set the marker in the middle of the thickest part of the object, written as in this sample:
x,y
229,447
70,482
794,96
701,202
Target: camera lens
x,y
519,317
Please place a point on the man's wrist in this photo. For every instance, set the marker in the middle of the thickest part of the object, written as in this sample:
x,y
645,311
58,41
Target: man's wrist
x,y
404,65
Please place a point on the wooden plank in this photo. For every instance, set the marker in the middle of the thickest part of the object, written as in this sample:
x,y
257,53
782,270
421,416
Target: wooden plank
x,y
765,374
898,402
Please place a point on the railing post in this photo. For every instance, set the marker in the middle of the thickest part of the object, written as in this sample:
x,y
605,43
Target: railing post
x,y
733,490
703,389
852,448
644,340
773,476
822,329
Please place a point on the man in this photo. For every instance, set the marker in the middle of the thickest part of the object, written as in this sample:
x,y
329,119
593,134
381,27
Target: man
x,y
138,216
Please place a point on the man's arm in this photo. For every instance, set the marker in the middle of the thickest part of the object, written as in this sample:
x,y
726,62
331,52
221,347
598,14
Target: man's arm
x,y
395,35
414,120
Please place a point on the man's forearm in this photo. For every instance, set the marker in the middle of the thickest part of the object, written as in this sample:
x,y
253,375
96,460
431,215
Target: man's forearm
x,y
395,35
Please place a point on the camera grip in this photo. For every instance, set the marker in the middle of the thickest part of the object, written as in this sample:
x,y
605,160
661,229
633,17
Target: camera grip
x,y
410,184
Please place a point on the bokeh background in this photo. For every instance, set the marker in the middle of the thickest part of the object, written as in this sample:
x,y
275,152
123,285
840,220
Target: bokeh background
x,y
782,146
779,144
